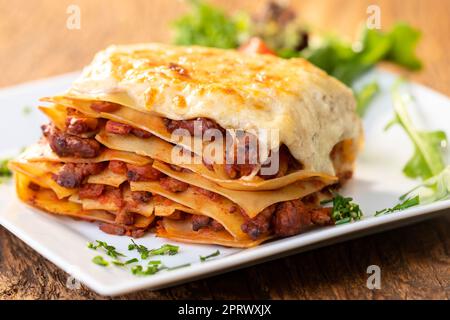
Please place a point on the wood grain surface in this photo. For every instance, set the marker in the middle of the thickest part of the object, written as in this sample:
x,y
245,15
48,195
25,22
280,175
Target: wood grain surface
x,y
414,260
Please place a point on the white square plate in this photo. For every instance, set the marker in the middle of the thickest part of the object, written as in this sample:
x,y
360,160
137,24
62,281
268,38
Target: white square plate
x,y
377,184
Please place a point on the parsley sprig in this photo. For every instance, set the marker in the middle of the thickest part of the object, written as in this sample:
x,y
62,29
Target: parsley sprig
x,y
343,210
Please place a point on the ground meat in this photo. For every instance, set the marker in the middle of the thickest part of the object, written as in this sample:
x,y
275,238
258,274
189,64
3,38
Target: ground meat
x,y
113,195
199,221
117,127
189,125
33,186
136,233
179,169
212,195
112,229
117,167
259,224
242,146
80,125
141,133
66,145
91,191
173,185
291,218
143,173
103,106
216,226
321,216
72,175
283,164
124,217
141,196
176,215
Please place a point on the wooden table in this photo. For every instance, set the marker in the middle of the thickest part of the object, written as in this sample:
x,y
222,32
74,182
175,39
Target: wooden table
x,y
35,43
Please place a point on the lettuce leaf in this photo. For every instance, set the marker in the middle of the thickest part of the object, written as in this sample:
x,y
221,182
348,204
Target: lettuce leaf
x,y
341,60
206,25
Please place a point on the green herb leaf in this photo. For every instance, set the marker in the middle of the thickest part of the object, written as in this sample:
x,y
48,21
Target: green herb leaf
x,y
404,41
339,59
208,26
140,271
145,252
214,254
365,96
4,170
407,203
428,159
344,210
165,249
433,189
110,250
100,261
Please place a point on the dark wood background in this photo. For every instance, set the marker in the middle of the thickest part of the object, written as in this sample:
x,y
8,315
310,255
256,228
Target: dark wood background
x,y
414,260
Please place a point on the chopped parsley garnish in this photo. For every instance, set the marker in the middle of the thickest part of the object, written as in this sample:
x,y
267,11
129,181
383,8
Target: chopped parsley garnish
x,y
409,202
214,254
100,261
428,158
145,252
121,264
110,250
165,249
343,210
140,271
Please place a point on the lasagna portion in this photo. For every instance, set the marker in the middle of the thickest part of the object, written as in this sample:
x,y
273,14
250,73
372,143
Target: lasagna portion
x,y
196,144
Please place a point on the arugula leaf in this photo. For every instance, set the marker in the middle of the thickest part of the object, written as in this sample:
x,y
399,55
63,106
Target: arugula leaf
x,y
365,96
343,210
428,159
407,203
433,189
207,26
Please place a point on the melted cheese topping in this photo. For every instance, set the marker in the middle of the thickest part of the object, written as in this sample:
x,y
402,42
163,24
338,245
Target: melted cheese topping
x,y
311,110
